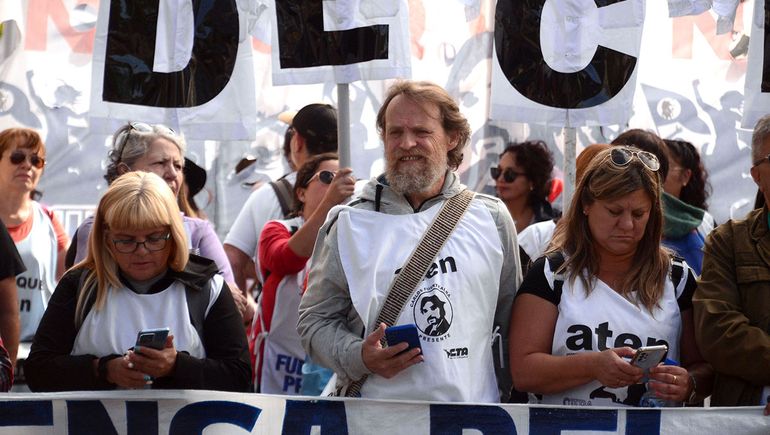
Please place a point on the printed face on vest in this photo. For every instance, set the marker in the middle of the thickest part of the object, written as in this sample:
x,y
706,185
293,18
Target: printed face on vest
x,y
519,188
618,225
151,251
24,175
433,312
164,159
416,146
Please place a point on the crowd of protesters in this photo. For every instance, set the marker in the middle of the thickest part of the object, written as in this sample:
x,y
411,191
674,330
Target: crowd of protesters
x,y
407,286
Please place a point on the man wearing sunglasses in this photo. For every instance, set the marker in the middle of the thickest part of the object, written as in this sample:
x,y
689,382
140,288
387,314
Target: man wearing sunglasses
x,y
732,301
315,132
362,247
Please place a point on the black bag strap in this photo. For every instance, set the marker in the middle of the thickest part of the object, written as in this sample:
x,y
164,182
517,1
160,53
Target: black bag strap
x,y
417,266
677,270
284,191
555,261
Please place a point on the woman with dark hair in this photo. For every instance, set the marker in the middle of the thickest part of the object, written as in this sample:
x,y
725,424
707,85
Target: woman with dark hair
x,y
688,179
523,182
606,287
284,249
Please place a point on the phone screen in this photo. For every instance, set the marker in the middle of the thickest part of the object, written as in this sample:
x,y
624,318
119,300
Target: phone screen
x,y
153,338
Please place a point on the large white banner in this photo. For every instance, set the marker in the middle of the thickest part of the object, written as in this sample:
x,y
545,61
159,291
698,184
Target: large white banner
x,y
211,412
165,62
340,41
757,85
568,63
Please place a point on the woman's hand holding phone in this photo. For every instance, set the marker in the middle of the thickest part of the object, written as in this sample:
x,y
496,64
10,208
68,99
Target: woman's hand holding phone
x,y
153,362
120,372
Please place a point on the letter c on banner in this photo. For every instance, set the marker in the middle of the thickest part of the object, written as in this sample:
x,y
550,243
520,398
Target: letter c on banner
x,y
519,51
128,69
303,42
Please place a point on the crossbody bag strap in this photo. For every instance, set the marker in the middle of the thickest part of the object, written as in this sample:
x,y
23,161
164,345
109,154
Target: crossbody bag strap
x,y
417,266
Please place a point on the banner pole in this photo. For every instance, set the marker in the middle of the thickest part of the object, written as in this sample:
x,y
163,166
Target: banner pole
x,y
343,124
570,154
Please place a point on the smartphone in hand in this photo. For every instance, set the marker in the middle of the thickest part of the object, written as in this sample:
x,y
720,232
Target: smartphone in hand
x,y
403,333
154,338
647,357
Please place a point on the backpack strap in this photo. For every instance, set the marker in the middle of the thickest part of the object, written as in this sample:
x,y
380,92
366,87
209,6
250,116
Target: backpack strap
x,y
197,302
677,270
285,194
555,261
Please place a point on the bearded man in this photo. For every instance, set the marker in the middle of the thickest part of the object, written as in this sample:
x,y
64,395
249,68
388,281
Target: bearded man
x,y
363,246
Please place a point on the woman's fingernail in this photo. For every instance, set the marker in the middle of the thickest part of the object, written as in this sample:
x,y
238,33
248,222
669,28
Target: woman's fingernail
x,y
130,365
148,378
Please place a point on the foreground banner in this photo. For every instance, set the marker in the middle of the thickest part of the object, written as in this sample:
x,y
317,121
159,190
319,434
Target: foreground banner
x,y
193,412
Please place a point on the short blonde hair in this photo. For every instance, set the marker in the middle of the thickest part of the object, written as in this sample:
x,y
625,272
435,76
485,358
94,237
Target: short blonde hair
x,y
134,201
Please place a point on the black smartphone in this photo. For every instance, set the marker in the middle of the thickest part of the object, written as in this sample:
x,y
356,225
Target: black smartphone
x,y
154,338
403,333
649,356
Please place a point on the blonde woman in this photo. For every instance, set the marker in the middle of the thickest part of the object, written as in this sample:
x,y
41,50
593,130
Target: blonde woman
x,y
138,275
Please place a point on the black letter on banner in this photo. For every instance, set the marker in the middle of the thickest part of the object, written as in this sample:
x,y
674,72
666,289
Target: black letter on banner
x,y
517,43
88,416
128,74
765,85
142,418
195,417
302,415
26,413
303,42
452,419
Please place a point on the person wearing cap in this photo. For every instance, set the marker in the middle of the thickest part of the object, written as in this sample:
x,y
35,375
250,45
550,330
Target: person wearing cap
x,y
364,245
137,146
315,132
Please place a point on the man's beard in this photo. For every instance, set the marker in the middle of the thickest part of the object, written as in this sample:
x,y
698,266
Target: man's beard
x,y
411,178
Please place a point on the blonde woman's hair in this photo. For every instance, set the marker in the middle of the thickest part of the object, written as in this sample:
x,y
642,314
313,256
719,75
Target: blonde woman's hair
x,y
134,201
603,180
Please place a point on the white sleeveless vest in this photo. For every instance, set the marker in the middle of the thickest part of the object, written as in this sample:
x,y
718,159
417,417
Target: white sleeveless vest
x,y
36,285
605,319
283,354
113,329
453,307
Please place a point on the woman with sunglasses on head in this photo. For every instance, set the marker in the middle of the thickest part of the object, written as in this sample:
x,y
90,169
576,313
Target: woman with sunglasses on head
x,y
523,180
284,249
39,237
156,148
139,275
605,288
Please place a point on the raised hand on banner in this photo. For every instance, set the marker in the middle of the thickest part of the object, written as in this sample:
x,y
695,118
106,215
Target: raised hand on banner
x,y
387,362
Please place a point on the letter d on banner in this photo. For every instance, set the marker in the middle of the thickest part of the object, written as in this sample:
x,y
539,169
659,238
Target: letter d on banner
x,y
128,70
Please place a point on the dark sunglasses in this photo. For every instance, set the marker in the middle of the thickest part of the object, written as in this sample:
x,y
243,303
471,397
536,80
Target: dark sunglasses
x,y
324,177
509,175
622,157
17,157
142,127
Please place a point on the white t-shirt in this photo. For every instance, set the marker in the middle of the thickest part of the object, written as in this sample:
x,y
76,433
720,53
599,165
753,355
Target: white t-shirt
x,y
261,207
604,319
534,239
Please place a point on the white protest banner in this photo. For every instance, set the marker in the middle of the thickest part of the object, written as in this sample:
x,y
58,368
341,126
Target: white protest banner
x,y
339,41
569,63
757,85
212,412
168,62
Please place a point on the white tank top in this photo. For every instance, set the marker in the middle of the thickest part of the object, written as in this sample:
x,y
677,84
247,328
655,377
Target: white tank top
x,y
453,307
36,285
113,329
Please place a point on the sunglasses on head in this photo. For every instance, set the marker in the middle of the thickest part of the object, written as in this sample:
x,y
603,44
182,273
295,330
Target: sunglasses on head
x,y
324,177
509,175
17,157
622,157
142,127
